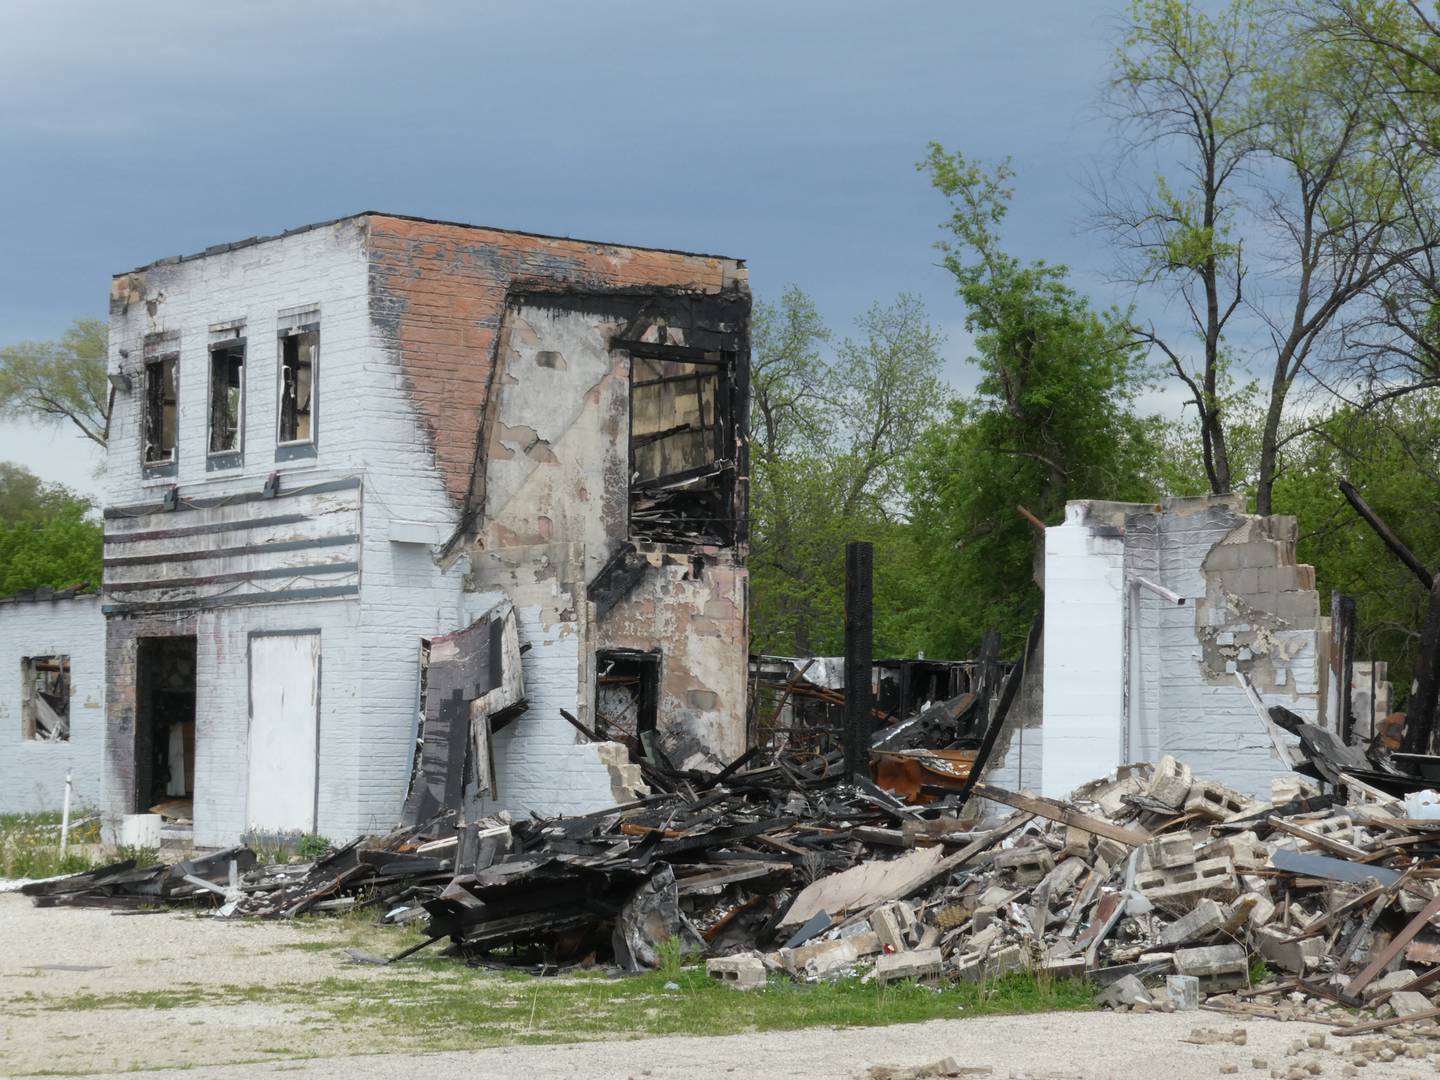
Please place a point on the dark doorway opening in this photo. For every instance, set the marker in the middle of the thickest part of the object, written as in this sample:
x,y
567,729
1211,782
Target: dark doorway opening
x,y
627,696
165,726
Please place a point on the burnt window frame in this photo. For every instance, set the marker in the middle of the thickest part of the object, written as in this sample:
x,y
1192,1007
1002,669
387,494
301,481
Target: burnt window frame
x,y
28,692
289,449
725,428
159,466
234,456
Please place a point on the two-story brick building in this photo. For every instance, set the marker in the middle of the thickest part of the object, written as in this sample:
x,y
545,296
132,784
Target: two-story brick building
x,y
334,447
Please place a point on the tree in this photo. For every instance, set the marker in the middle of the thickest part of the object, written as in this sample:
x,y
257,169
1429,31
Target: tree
x,y
49,536
1391,453
830,438
1290,210
55,381
1051,420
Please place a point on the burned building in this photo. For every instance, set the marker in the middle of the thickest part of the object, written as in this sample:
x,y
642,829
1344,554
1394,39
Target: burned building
x,y
361,472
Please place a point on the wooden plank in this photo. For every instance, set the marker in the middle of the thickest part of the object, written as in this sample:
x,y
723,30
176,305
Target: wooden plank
x,y
1320,840
1057,811
1398,942
1376,1025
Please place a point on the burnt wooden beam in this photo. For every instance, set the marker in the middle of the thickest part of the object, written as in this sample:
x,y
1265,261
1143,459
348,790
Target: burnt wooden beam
x,y
859,661
1386,534
1420,709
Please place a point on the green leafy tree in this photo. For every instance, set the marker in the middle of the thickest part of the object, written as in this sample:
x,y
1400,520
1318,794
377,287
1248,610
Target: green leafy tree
x,y
831,437
1391,453
49,536
59,381
1051,420
1288,213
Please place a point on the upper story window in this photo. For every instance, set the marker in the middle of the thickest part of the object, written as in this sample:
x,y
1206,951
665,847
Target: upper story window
x,y
227,390
161,417
299,350
682,445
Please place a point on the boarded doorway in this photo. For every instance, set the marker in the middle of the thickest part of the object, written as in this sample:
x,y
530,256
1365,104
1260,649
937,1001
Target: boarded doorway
x,y
165,725
284,732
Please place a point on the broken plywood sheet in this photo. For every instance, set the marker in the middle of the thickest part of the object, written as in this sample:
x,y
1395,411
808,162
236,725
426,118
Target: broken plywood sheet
x,y
860,886
470,676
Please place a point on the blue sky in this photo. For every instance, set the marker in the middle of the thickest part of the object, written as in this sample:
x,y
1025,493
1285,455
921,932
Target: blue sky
x,y
782,133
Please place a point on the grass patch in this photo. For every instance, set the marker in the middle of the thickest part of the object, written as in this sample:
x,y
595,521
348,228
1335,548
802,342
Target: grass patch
x,y
30,845
441,1005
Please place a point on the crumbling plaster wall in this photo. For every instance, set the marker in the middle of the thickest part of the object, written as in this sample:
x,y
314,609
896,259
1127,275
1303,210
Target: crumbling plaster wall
x,y
1143,676
32,774
694,612
1250,608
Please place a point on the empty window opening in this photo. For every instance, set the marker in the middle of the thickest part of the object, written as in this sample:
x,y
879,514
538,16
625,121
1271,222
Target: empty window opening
x,y
299,351
160,404
627,695
227,382
165,726
45,698
681,430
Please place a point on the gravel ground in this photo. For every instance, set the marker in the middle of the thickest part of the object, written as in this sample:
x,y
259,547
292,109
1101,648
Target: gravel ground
x,y
51,956
1093,1046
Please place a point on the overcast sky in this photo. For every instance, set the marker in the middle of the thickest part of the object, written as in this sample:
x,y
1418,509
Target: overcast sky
x,y
782,133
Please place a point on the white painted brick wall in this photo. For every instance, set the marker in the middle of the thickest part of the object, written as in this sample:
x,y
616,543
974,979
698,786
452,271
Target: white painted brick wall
x,y
366,426
1142,691
1084,654
32,774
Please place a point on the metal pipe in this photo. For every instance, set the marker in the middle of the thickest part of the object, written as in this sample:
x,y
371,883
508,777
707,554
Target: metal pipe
x,y
65,819
1159,590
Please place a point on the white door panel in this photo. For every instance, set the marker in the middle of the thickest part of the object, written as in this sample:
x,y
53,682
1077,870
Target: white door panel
x,y
284,731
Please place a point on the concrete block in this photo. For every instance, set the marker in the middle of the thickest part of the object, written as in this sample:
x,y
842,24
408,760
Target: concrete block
x,y
1409,1002
1112,851
1064,967
895,926
1181,889
826,958
1386,983
920,964
1171,782
1200,922
1077,842
1025,865
744,971
1215,801
1184,991
1218,967
1171,850
976,967
1125,991
1296,957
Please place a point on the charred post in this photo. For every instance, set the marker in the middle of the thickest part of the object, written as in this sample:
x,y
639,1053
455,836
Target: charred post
x,y
859,628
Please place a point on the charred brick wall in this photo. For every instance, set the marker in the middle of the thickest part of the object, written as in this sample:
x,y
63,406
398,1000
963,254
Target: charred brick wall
x,y
438,297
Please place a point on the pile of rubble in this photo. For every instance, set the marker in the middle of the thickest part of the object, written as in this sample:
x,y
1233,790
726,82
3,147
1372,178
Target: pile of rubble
x,y
1163,889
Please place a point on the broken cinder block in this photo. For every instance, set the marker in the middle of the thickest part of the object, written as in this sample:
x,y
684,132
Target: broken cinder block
x,y
1218,967
1171,782
920,964
1170,851
743,971
1205,919
1215,801
1027,865
1180,889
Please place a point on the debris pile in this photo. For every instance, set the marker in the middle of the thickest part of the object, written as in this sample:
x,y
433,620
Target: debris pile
x,y
1164,889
